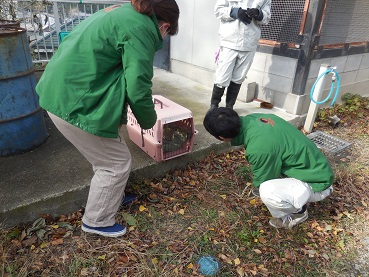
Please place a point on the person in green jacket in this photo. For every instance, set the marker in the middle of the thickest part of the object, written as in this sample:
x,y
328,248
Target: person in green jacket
x,y
287,167
101,67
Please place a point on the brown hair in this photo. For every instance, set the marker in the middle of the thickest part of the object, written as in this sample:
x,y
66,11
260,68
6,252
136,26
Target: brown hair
x,y
164,10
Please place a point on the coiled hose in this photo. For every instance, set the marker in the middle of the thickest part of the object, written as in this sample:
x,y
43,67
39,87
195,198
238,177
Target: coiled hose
x,y
336,80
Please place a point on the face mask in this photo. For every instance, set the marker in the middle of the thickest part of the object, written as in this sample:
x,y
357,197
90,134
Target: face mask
x,y
163,34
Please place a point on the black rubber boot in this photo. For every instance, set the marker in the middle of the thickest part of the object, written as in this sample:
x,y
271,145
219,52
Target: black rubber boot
x,y
232,93
216,96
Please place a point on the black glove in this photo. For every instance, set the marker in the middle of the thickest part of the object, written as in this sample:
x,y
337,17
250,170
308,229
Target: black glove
x,y
255,13
243,17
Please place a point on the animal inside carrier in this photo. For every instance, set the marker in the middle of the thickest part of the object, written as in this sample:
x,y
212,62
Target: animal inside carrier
x,y
172,134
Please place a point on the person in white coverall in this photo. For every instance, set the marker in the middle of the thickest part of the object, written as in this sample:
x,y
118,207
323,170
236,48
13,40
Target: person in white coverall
x,y
239,34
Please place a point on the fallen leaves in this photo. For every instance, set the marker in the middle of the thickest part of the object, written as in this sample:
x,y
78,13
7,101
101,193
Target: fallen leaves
x,y
204,208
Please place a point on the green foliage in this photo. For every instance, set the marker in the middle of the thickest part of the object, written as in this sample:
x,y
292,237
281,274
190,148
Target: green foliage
x,y
13,234
245,173
353,106
247,236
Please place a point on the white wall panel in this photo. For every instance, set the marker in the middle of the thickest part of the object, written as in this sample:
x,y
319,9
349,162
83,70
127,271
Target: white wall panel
x,y
181,44
197,39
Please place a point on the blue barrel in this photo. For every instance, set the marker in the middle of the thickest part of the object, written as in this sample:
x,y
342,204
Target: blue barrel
x,y
22,125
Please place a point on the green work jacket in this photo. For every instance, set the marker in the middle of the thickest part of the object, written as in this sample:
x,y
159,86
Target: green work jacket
x,y
275,148
103,65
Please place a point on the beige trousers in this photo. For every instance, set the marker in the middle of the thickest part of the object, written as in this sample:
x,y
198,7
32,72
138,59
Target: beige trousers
x,y
111,162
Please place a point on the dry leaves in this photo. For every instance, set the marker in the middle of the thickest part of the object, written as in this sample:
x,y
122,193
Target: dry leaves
x,y
204,209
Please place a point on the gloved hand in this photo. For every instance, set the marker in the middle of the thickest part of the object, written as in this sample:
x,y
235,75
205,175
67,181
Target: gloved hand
x,y
243,17
255,13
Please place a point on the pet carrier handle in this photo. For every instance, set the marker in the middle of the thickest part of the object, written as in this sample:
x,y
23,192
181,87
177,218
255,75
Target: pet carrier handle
x,y
142,131
142,135
158,101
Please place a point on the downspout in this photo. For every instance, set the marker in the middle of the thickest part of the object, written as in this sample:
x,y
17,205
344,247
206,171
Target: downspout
x,y
311,33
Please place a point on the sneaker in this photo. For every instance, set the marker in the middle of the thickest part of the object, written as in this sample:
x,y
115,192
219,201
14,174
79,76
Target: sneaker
x,y
288,221
112,231
129,198
255,192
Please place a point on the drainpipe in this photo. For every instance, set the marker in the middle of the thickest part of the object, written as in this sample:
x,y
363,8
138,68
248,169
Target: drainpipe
x,y
311,34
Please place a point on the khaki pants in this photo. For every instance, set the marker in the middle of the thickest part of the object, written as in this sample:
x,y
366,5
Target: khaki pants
x,y
111,163
288,195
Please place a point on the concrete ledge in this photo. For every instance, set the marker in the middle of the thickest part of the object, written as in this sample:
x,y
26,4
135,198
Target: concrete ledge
x,y
54,178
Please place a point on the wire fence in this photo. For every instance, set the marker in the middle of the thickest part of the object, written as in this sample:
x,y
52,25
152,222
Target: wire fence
x,y
46,20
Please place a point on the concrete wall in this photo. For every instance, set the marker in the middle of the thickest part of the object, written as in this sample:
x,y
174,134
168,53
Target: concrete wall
x,y
353,71
193,49
274,77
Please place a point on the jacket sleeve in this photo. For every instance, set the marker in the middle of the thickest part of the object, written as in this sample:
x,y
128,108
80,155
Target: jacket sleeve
x,y
223,10
265,9
264,166
137,59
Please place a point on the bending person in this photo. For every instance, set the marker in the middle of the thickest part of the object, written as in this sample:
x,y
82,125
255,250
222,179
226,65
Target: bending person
x,y
287,166
103,65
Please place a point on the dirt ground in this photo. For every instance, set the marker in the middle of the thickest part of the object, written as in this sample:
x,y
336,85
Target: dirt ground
x,y
207,209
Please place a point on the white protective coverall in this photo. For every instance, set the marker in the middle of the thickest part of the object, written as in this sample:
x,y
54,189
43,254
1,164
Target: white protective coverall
x,y
238,41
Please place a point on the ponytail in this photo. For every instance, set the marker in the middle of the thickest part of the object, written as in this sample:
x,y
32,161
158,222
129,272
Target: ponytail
x,y
143,6
164,10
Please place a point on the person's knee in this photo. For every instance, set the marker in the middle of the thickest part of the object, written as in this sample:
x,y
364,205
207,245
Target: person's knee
x,y
124,167
321,195
267,189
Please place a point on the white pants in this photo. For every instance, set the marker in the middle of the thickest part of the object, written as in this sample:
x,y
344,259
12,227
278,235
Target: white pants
x,y
111,162
288,195
232,65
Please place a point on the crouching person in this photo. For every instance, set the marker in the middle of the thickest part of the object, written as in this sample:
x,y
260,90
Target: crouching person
x,y
288,168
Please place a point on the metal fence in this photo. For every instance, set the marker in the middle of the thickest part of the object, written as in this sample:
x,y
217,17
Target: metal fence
x,y
345,21
286,21
46,20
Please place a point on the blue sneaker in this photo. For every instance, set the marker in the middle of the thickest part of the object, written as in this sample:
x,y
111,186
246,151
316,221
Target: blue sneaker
x,y
112,231
129,198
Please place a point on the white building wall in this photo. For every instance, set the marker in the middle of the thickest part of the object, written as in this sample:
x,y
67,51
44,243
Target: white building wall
x,y
193,49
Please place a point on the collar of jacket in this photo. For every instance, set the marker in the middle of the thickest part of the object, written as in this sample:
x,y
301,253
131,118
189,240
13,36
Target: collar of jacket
x,y
160,43
240,138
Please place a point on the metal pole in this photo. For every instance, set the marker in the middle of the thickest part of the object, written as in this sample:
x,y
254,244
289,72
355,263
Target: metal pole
x,y
313,108
56,17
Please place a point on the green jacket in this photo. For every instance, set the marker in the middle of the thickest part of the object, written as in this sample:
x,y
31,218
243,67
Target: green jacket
x,y
275,148
103,65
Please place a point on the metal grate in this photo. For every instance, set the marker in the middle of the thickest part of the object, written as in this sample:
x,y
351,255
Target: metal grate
x,y
345,21
327,142
284,25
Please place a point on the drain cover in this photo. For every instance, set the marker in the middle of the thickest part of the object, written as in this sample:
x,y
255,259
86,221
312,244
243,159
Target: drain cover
x,y
327,142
